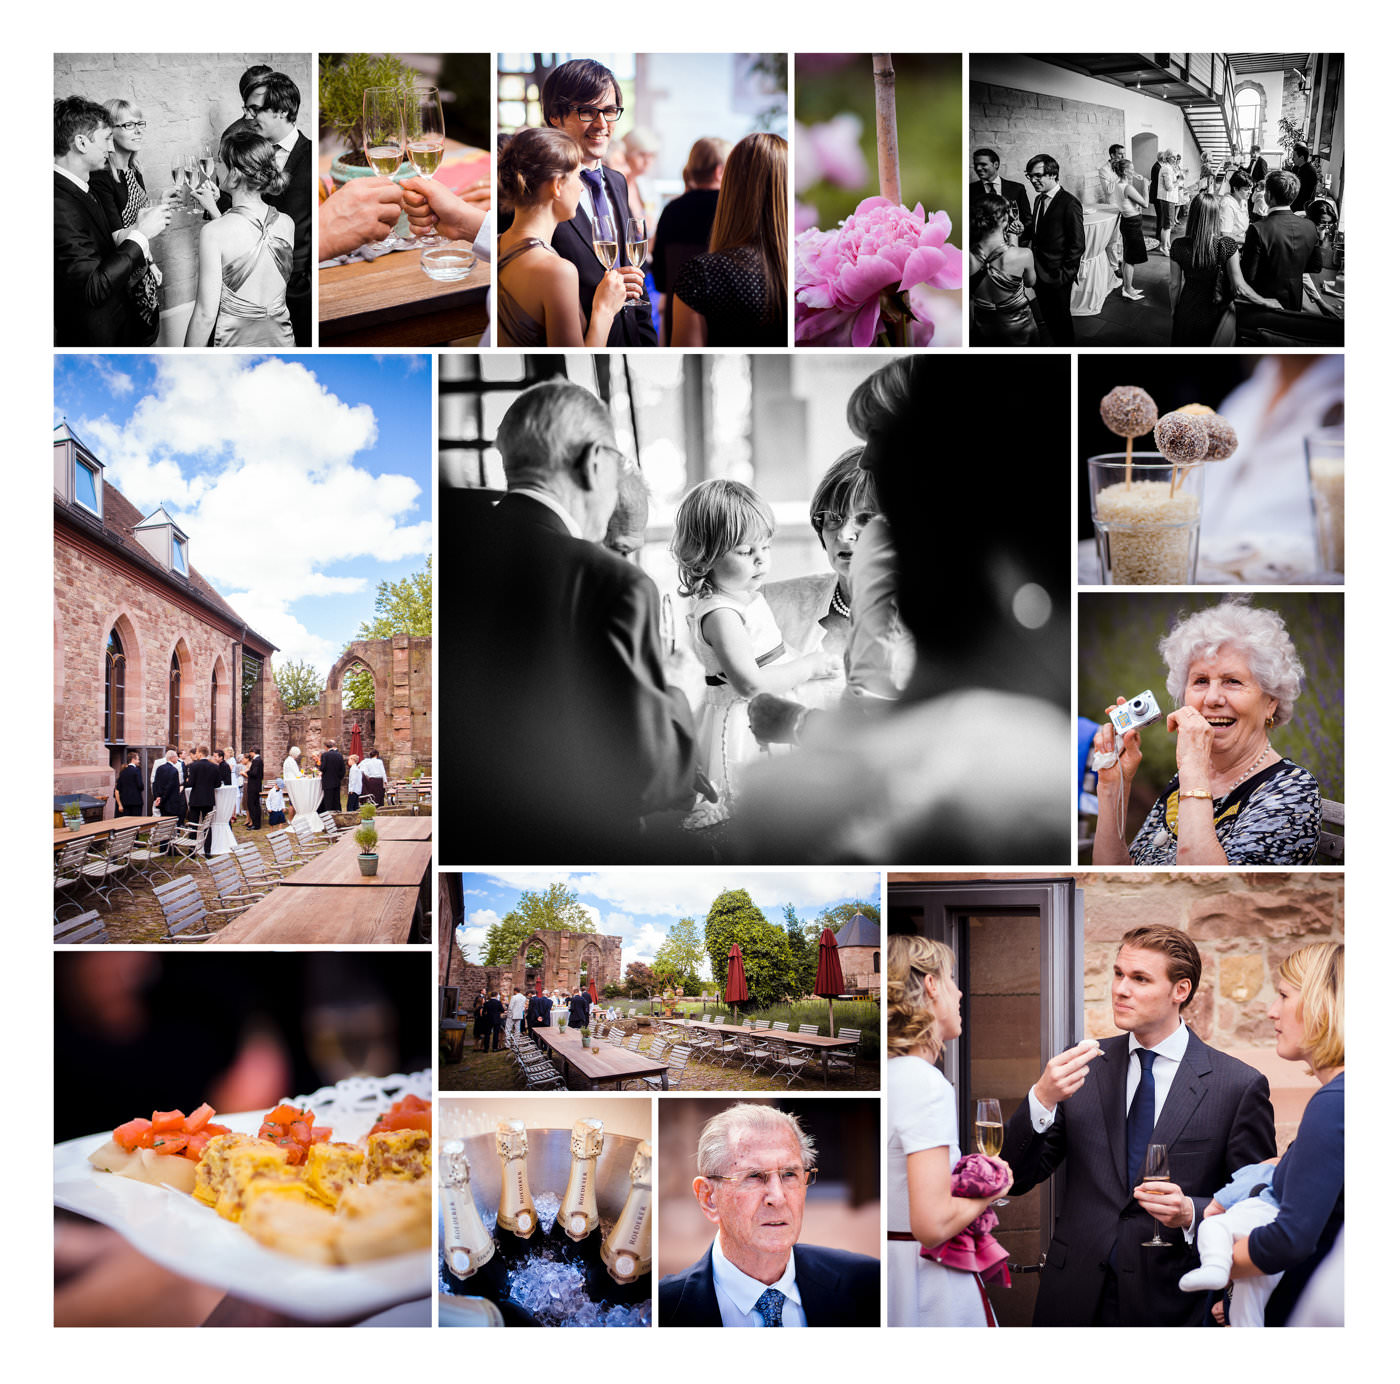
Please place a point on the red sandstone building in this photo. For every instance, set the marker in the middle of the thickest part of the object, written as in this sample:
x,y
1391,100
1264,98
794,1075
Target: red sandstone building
x,y
147,655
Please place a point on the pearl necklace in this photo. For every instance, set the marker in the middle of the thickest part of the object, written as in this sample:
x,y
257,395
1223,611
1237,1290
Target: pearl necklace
x,y
838,605
1267,751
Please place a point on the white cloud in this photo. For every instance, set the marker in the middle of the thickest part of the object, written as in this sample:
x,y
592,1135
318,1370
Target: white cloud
x,y
642,945
118,382
255,459
689,893
472,933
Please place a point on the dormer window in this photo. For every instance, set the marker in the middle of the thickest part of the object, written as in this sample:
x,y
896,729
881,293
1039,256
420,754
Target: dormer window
x,y
180,558
166,541
87,486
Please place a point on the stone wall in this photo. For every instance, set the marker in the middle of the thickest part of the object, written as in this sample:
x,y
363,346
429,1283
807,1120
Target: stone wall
x,y
1295,103
858,970
186,99
1020,124
91,597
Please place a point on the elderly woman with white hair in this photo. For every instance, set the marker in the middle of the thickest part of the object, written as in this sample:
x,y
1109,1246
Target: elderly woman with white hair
x,y
1234,674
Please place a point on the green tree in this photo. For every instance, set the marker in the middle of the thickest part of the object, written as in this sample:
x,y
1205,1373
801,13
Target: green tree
x,y
839,914
681,954
768,964
299,683
555,909
400,607
802,944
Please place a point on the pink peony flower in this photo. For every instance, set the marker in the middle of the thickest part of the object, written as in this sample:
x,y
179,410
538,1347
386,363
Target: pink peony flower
x,y
831,151
879,252
805,217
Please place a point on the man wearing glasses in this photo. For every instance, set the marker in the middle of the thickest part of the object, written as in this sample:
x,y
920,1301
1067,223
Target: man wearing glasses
x,y
583,99
755,1164
1057,241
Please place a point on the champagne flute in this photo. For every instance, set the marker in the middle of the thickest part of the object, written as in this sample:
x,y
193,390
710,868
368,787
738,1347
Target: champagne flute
x,y
426,138
1154,1169
605,239
206,168
383,124
177,174
636,251
988,1131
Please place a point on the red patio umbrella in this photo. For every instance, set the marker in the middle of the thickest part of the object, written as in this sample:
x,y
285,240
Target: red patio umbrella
x,y
539,989
356,744
736,987
593,989
830,981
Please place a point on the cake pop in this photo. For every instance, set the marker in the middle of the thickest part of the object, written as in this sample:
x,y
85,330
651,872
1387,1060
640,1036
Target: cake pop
x,y
1128,411
1199,410
1181,437
1220,440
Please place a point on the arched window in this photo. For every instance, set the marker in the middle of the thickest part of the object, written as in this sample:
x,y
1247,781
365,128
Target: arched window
x,y
174,737
214,740
115,708
1249,113
877,963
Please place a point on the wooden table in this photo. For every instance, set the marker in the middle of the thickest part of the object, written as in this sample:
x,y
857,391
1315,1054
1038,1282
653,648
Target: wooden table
x,y
797,1040
401,864
404,828
390,301
336,914
95,831
609,1064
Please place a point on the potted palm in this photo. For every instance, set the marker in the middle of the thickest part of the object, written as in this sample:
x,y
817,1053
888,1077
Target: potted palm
x,y
366,838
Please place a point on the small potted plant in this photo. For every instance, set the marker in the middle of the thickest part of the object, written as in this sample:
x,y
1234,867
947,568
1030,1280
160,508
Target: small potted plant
x,y
368,807
583,1034
563,1019
366,838
344,79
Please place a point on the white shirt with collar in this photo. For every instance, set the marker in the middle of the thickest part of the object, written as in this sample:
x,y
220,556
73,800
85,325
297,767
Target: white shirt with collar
x,y
994,184
619,215
550,503
738,1293
126,232
1169,1054
284,146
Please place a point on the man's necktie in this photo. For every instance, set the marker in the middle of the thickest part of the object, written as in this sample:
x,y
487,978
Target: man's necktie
x,y
594,178
1142,1116
770,1307
1039,203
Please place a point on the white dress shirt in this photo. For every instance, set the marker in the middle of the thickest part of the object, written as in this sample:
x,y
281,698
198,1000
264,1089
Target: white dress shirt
x,y
284,147
738,1293
550,503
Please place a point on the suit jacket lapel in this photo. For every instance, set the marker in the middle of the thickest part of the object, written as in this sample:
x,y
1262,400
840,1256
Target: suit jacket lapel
x,y
819,1285
698,1305
1188,1090
1113,1101
580,226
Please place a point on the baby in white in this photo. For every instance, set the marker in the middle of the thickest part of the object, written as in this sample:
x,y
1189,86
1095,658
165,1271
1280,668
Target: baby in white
x,y
1248,1201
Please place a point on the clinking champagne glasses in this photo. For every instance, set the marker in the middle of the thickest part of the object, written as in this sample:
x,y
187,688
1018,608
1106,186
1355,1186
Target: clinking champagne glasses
x,y
383,126
425,139
1154,1169
989,1134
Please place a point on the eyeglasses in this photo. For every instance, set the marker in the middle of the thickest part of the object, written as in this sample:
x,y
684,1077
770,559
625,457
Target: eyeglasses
x,y
757,1179
252,112
129,125
832,521
590,115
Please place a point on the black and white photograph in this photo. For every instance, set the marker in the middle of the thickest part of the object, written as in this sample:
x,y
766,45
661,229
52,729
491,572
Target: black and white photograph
x,y
182,199
1155,199
705,610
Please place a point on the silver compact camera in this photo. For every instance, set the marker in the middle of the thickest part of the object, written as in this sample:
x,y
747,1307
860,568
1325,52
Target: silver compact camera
x,y
1140,711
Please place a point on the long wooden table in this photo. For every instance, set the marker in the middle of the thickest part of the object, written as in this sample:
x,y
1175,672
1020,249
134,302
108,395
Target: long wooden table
x,y
95,831
401,863
609,1064
404,828
796,1040
336,914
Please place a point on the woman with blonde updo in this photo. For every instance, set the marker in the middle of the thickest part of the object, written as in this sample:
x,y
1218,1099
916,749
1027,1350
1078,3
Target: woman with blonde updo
x,y
245,254
923,1141
537,294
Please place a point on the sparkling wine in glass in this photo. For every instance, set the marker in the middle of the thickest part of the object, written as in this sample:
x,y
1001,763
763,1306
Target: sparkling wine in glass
x,y
988,1131
1154,1169
383,125
636,251
605,240
426,138
206,168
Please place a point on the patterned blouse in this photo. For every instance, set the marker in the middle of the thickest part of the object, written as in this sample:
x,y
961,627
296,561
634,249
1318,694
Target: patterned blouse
x,y
1270,819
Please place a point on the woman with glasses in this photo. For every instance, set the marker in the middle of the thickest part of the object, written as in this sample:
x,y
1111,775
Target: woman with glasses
x,y
923,1015
120,191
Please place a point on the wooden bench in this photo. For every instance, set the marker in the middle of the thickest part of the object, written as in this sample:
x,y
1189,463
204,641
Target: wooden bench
x,y
1331,845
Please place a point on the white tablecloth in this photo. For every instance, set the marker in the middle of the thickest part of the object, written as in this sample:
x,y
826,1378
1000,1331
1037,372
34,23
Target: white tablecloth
x,y
221,834
305,794
1095,277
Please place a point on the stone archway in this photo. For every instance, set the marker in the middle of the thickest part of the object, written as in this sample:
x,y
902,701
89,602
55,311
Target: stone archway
x,y
1144,149
590,967
401,667
525,970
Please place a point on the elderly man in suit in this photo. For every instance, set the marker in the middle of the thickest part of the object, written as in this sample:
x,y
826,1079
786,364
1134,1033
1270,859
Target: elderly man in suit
x,y
167,795
1282,247
755,1162
93,268
272,107
1096,1109
332,776
1057,241
563,733
986,164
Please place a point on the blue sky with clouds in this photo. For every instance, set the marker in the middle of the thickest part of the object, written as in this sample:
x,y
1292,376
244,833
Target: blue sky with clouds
x,y
303,482
640,905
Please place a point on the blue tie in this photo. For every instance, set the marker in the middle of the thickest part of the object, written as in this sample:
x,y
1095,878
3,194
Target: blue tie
x,y
594,178
770,1307
1142,1116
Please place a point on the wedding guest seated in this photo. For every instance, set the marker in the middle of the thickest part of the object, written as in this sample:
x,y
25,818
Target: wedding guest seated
x,y
1206,279
1000,275
245,255
736,295
1234,674
120,190
1282,247
1234,207
537,175
683,228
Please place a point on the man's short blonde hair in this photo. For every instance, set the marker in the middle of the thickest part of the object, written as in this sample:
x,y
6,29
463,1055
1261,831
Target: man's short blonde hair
x,y
713,1154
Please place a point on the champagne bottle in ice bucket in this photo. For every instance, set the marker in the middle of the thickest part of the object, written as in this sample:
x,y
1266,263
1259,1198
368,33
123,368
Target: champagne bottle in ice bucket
x,y
467,1245
627,1249
578,1212
516,1213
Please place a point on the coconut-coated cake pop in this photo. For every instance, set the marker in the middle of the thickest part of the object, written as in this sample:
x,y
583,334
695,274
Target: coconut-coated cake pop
x,y
1181,438
1220,438
1128,411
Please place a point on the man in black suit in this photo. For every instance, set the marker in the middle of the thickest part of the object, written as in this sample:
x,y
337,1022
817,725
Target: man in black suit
x,y
253,791
1258,165
583,99
167,794
204,784
1096,1109
563,732
579,1007
755,1162
272,107
225,769
986,164
495,1013
94,270
1057,241
1282,247
1306,173
129,788
537,1012
332,776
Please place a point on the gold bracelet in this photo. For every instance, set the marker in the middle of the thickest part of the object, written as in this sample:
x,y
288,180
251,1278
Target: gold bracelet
x,y
1194,793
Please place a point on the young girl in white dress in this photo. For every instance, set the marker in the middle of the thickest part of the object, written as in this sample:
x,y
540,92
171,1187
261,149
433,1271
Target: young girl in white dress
x,y
722,546
923,1141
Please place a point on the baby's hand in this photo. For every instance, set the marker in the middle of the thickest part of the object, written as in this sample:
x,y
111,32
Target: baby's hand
x,y
1213,1209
